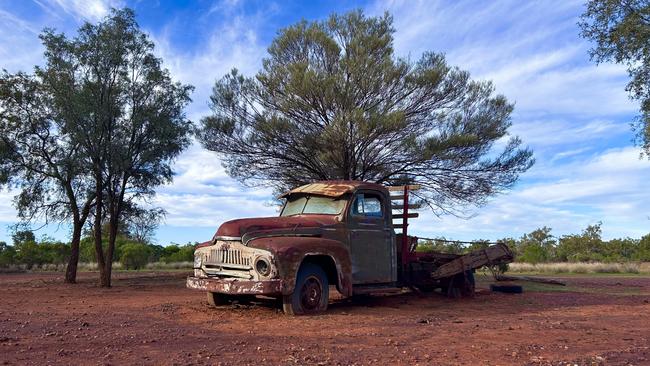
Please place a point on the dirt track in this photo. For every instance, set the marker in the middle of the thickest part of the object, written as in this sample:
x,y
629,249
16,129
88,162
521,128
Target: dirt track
x,y
151,319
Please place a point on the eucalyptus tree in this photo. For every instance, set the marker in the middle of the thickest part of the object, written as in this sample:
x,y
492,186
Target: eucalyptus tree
x,y
332,101
621,32
122,113
137,124
41,160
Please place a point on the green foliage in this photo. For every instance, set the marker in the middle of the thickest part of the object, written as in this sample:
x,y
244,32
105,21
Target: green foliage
x,y
7,254
540,246
23,236
332,101
30,252
134,255
643,251
537,246
174,253
440,245
130,251
585,247
621,32
96,128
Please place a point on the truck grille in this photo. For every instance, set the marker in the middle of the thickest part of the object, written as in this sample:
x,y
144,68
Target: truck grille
x,y
228,256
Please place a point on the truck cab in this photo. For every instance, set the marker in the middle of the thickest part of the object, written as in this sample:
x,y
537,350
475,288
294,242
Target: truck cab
x,y
337,233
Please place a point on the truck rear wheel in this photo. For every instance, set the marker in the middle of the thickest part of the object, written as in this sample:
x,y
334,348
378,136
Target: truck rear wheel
x,y
311,293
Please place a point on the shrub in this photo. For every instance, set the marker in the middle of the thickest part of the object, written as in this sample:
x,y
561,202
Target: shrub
x,y
175,253
134,256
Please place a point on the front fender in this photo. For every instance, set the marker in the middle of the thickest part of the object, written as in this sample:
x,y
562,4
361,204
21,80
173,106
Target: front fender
x,y
290,251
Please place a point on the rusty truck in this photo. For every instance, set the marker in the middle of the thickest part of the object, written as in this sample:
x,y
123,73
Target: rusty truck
x,y
348,234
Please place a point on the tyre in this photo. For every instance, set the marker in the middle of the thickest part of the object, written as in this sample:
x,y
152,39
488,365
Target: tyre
x,y
508,289
311,294
217,299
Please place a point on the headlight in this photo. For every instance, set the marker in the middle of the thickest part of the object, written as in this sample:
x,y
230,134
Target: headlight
x,y
198,260
262,266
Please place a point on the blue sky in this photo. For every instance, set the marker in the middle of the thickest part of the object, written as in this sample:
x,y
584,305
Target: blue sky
x,y
573,114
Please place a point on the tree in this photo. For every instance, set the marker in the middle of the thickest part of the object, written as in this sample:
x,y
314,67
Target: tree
x,y
643,249
134,256
39,157
333,102
621,32
537,246
587,246
140,124
120,115
7,255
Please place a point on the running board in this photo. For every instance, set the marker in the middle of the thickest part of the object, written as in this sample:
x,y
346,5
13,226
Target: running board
x,y
374,289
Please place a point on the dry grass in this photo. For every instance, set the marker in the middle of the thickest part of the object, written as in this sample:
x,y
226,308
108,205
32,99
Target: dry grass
x,y
92,266
172,265
581,267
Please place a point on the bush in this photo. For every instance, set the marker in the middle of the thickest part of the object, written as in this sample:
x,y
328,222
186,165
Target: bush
x,y
175,253
134,256
7,254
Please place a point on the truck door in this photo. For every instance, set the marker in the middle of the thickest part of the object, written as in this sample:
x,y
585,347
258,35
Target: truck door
x,y
371,240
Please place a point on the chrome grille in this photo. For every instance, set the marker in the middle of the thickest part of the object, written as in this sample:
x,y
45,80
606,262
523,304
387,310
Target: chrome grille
x,y
228,256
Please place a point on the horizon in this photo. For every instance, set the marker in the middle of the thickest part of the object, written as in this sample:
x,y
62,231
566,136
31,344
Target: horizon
x,y
574,114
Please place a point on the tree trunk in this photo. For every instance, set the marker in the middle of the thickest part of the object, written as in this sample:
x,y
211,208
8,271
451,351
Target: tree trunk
x,y
104,280
113,223
105,274
71,269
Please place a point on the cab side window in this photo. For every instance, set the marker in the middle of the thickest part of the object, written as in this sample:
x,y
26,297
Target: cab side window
x,y
367,205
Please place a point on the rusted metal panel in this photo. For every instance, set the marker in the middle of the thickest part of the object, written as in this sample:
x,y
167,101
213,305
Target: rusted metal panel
x,y
335,188
239,227
289,253
412,187
236,287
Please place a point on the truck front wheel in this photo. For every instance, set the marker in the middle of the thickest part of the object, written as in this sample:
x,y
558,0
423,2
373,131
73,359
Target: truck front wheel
x,y
311,293
217,299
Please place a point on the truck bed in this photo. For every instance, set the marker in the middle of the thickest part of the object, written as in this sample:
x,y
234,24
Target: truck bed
x,y
494,254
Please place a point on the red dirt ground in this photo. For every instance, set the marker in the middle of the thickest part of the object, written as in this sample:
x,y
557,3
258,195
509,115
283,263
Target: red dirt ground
x,y
151,319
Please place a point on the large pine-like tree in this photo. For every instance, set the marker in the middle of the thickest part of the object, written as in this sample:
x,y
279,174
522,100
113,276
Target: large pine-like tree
x,y
332,101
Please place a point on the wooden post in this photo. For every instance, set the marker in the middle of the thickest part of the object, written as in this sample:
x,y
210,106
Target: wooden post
x,y
405,239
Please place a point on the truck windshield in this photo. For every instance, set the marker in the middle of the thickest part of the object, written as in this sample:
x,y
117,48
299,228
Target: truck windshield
x,y
313,205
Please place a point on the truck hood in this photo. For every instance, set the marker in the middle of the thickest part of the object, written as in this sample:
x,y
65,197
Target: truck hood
x,y
239,227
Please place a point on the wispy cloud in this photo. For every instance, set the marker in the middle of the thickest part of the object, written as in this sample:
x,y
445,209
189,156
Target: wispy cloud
x,y
608,187
573,114
91,10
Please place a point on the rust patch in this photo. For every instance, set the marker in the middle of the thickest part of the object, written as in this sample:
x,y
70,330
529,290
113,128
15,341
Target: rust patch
x,y
289,252
236,287
334,188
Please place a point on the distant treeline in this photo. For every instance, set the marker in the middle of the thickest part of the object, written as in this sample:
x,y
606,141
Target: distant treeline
x,y
540,246
26,250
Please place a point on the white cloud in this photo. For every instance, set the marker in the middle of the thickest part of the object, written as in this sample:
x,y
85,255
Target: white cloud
x,y
204,195
609,187
91,10
7,211
531,50
230,41
554,132
567,109
20,48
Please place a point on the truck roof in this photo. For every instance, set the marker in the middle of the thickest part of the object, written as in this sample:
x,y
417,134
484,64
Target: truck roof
x,y
334,188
